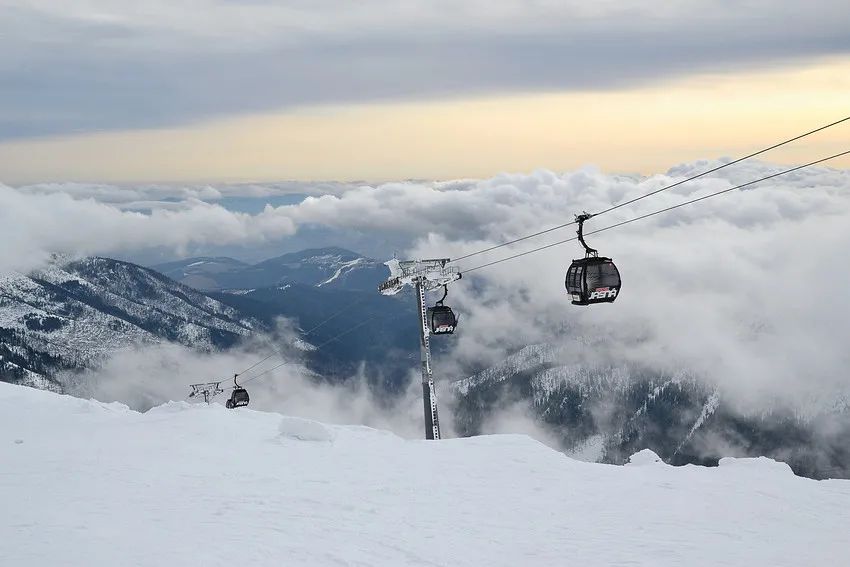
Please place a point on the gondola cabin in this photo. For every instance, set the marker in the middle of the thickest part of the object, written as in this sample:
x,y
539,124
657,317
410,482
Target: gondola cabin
x,y
239,398
593,280
441,320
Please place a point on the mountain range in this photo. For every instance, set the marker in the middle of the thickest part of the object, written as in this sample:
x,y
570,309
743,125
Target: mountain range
x,y
74,314
331,294
606,412
332,267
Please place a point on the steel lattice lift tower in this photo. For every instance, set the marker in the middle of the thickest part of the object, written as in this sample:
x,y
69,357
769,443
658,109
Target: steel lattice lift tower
x,y
422,275
208,390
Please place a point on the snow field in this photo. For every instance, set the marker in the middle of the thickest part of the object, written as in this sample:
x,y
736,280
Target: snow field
x,y
86,483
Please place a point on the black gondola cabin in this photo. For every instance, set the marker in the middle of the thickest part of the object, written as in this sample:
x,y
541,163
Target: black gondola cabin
x,y
593,280
239,398
441,320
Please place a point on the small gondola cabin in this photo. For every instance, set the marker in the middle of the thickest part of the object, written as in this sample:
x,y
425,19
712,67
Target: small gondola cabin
x,y
593,280
441,320
239,398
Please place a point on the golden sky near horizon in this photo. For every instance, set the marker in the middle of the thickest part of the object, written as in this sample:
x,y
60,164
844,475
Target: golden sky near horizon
x,y
645,130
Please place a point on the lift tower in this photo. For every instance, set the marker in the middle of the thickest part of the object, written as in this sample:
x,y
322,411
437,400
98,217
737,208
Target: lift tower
x,y
422,275
208,390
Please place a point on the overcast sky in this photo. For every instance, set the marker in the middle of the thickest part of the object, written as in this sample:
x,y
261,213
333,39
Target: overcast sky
x,y
177,90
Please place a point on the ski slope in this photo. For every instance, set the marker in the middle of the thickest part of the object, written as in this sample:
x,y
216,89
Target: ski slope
x,y
86,483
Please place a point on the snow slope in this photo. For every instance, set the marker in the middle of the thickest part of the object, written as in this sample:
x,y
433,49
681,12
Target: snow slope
x,y
86,483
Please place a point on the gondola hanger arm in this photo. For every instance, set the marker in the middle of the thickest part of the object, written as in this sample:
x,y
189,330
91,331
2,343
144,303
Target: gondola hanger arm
x,y
588,251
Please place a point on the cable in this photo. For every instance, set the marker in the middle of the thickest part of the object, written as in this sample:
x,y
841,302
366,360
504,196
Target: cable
x,y
718,168
341,311
352,329
278,353
658,212
508,243
558,227
665,188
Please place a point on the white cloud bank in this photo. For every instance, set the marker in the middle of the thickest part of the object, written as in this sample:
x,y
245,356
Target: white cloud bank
x,y
149,376
35,225
749,290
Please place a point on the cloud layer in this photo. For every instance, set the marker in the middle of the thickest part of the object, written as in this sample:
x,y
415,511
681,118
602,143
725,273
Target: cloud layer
x,y
748,290
147,377
33,226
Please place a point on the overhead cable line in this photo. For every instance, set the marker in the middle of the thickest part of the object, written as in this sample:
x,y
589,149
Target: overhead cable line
x,y
276,352
658,212
719,167
332,339
218,390
651,193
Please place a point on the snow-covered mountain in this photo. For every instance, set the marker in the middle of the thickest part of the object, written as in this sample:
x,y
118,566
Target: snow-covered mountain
x,y
375,330
73,314
202,272
326,292
201,485
330,267
608,411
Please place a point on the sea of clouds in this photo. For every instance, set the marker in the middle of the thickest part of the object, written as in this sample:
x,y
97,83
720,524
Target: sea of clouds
x,y
748,290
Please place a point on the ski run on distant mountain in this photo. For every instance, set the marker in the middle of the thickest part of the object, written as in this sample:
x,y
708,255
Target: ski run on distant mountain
x,y
320,267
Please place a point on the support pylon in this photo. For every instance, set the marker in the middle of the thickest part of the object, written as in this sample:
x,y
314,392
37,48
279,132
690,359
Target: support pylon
x,y
429,391
423,275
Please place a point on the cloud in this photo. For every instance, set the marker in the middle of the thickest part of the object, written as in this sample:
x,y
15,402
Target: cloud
x,y
35,225
157,196
124,195
748,290
149,376
119,65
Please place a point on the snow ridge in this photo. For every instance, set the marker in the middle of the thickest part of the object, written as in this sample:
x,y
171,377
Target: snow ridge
x,y
75,314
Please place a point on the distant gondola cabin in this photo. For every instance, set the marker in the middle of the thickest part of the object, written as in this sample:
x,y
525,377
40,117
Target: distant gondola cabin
x,y
239,398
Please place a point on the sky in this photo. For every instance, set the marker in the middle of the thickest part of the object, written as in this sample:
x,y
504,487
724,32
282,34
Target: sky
x,y
212,91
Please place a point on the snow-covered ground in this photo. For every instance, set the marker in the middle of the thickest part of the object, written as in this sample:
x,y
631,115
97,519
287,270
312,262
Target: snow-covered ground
x,y
86,483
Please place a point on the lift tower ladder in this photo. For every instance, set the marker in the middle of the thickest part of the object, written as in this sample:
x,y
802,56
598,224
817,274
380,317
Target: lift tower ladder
x,y
422,275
